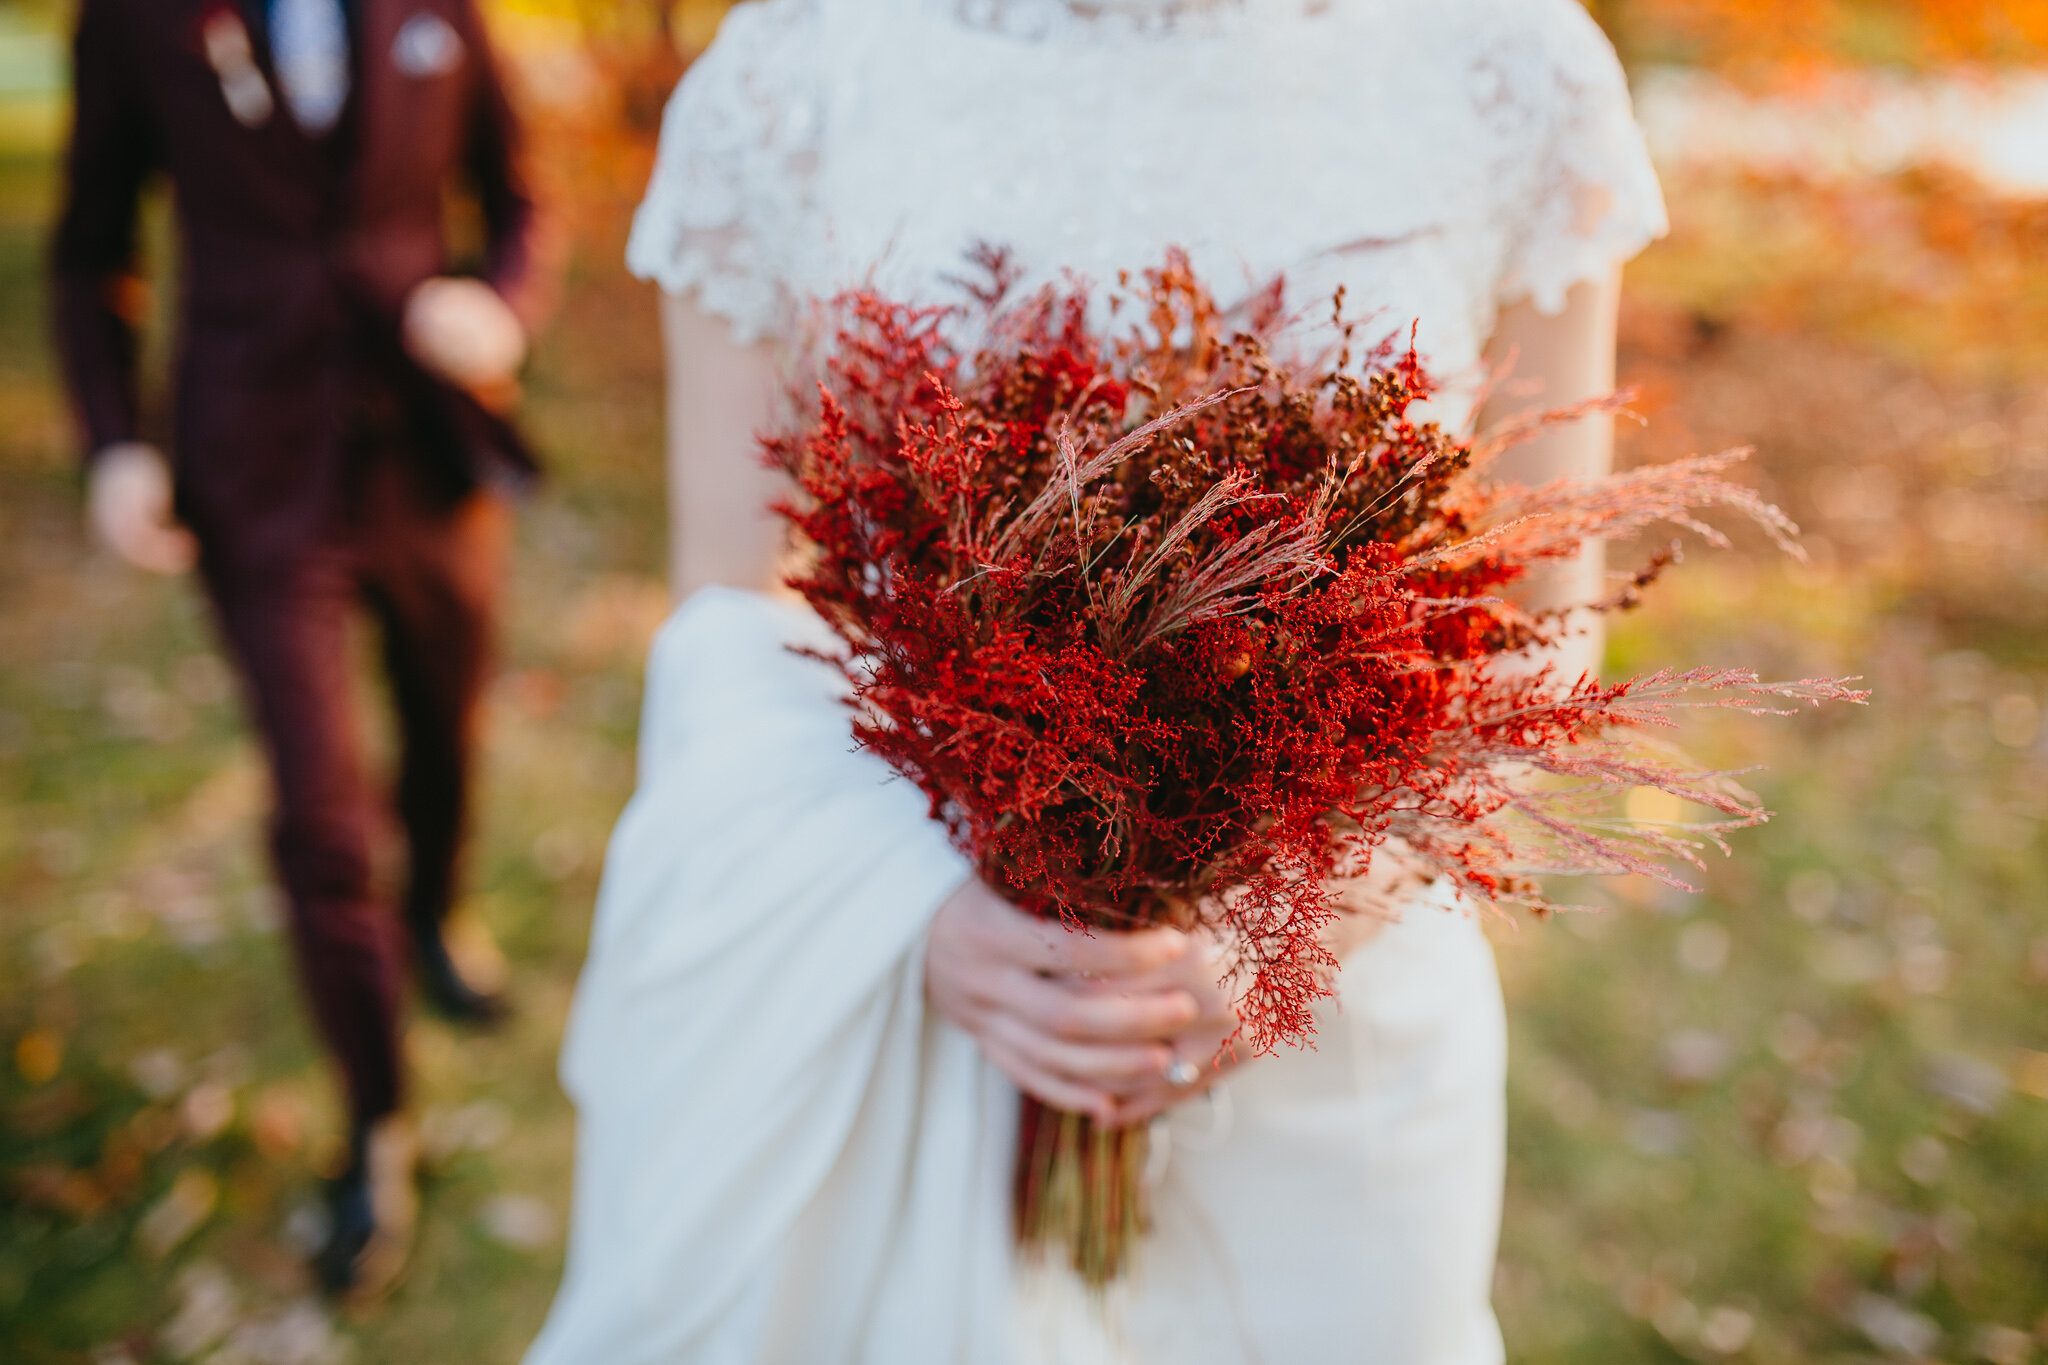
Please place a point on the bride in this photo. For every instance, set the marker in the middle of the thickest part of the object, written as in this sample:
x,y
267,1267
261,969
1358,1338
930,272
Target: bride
x,y
799,1039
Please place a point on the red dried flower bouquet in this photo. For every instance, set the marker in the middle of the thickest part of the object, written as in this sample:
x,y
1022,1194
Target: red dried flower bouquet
x,y
1169,630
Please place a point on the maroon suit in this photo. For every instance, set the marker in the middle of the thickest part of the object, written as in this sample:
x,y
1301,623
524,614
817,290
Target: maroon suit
x,y
318,466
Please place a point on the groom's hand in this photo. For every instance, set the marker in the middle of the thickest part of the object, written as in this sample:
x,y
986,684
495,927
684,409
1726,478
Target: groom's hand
x,y
1084,1022
461,330
129,505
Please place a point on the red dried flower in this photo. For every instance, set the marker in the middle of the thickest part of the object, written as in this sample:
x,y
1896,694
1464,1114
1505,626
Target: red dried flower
x,y
1167,629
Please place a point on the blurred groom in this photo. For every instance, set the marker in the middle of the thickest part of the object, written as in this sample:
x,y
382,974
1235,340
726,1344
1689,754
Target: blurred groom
x,y
338,444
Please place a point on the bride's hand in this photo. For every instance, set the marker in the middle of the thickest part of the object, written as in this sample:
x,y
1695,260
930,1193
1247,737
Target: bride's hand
x,y
1084,1022
1201,1052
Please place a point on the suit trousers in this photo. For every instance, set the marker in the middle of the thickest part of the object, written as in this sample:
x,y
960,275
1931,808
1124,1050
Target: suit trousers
x,y
427,568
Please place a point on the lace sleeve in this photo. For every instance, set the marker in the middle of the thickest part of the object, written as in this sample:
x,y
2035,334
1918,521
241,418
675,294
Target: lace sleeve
x,y
1588,198
733,181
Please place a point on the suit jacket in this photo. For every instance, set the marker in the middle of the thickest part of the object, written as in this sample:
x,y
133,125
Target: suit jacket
x,y
297,252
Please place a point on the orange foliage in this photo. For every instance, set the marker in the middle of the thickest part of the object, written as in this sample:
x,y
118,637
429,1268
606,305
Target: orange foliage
x,y
1782,34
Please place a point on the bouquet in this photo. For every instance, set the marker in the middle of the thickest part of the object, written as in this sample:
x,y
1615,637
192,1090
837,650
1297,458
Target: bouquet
x,y
1171,630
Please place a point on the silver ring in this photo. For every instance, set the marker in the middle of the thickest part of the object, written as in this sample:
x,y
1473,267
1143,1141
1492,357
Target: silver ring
x,y
1182,1073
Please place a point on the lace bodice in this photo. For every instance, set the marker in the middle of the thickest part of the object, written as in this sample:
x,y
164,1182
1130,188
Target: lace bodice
x,y
1437,159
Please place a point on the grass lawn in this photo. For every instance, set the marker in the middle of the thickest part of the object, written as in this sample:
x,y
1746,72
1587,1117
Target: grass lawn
x,y
1802,1117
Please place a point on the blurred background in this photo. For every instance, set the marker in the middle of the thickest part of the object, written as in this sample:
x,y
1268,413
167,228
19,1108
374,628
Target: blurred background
x,y
1800,1117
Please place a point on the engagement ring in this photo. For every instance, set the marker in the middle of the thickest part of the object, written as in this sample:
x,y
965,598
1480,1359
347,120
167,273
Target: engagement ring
x,y
1182,1073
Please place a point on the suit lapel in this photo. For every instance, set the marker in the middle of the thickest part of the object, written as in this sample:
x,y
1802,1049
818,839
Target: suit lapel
x,y
272,129
374,23
256,18
400,103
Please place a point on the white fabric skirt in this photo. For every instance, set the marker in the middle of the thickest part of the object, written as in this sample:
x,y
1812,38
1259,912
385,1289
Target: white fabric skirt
x,y
784,1159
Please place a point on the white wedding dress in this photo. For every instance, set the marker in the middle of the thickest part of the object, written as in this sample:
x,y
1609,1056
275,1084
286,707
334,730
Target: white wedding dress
x,y
783,1156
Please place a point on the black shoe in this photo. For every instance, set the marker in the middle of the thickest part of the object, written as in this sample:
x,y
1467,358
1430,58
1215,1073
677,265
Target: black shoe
x,y
461,972
373,1208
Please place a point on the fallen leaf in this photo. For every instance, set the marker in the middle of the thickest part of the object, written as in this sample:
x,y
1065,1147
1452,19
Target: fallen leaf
x,y
182,1211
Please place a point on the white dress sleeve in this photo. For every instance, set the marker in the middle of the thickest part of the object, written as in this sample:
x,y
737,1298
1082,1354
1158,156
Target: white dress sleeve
x,y
1588,198
822,144
732,188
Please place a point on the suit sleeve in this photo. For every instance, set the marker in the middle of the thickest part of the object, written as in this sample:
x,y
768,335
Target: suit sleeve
x,y
519,261
113,150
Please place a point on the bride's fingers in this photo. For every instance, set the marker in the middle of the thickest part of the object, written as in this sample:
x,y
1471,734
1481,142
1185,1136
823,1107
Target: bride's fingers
x,y
1215,1004
1041,1084
1157,1094
1118,1067
1046,945
1148,1104
1093,1016
1210,983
